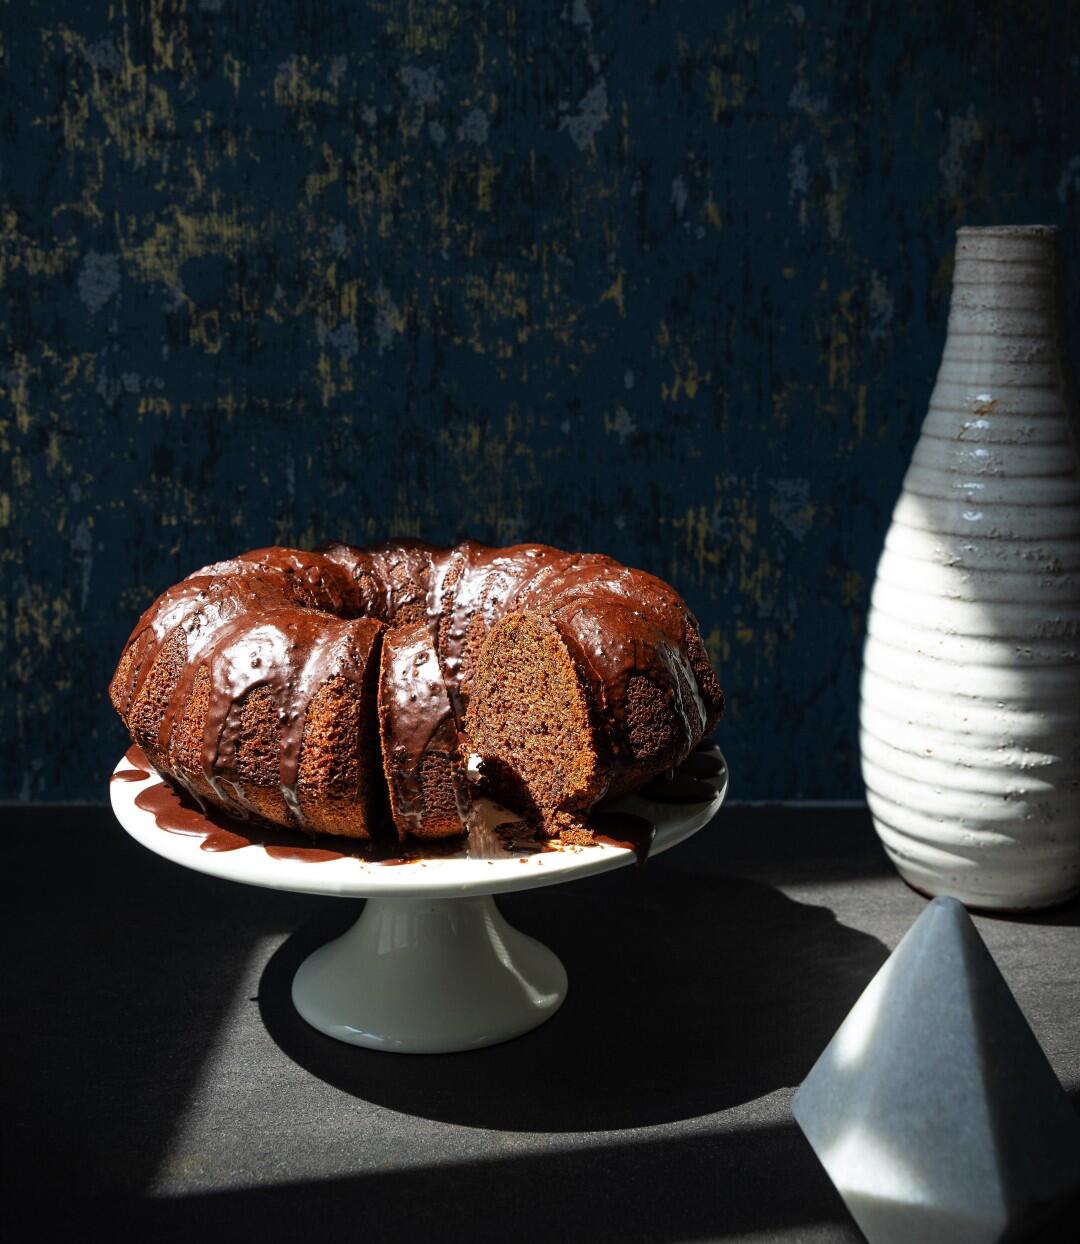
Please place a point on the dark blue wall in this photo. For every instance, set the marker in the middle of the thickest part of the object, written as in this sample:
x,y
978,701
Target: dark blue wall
x,y
667,281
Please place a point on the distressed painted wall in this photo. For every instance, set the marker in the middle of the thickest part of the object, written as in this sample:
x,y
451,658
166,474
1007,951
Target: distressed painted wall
x,y
663,280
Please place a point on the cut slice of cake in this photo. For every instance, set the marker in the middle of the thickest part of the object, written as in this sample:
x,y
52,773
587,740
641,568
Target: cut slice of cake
x,y
529,723
425,772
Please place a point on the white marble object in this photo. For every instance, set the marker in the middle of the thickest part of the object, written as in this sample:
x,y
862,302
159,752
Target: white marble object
x,y
933,1108
970,698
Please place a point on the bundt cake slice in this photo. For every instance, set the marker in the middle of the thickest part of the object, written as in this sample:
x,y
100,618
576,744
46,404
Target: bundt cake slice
x,y
289,740
425,771
256,704
588,688
529,727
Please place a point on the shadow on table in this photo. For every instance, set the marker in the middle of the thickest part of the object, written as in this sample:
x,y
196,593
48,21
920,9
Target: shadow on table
x,y
686,996
673,1188
759,1180
120,975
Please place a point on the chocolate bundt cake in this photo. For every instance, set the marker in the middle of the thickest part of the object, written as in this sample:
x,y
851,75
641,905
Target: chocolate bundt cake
x,y
321,690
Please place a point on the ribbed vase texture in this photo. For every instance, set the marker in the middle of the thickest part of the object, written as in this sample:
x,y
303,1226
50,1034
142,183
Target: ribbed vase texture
x,y
970,703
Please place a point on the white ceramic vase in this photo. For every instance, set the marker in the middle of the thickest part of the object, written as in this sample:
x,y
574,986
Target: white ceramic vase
x,y
970,698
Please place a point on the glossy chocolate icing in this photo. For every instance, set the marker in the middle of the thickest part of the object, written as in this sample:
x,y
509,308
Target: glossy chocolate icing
x,y
418,724
268,619
618,622
176,815
140,766
289,620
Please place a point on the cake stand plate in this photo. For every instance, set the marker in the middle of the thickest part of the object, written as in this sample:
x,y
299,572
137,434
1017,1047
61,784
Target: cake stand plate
x,y
431,966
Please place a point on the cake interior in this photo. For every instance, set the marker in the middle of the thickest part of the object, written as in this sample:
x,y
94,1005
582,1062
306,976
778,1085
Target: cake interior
x,y
528,725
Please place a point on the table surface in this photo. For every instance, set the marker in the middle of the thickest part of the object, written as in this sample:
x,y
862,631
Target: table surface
x,y
160,1081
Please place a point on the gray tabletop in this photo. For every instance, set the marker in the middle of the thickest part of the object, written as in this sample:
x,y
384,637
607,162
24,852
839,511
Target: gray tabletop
x,y
160,1081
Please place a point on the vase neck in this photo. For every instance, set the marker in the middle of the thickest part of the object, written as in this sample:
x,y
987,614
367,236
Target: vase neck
x,y
1004,282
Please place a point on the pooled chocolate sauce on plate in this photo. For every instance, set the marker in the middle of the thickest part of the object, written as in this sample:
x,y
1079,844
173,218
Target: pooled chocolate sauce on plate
x,y
176,812
141,767
136,757
129,775
494,832
177,815
306,855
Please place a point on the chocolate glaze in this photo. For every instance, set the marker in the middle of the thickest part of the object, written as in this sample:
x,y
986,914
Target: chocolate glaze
x,y
264,620
502,835
176,812
177,816
292,653
141,767
289,620
136,757
417,724
306,855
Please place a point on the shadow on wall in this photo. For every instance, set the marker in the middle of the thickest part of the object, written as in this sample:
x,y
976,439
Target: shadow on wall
x,y
686,997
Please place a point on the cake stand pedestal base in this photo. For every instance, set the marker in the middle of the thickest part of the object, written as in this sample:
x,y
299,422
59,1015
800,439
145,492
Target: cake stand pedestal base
x,y
429,976
431,966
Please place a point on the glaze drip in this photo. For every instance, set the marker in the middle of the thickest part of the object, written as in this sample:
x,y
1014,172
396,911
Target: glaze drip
x,y
140,766
174,814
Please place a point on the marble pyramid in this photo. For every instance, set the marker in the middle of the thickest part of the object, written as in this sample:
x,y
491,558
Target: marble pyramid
x,y
933,1109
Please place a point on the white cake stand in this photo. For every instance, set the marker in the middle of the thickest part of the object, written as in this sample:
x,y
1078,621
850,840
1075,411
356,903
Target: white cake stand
x,y
430,966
